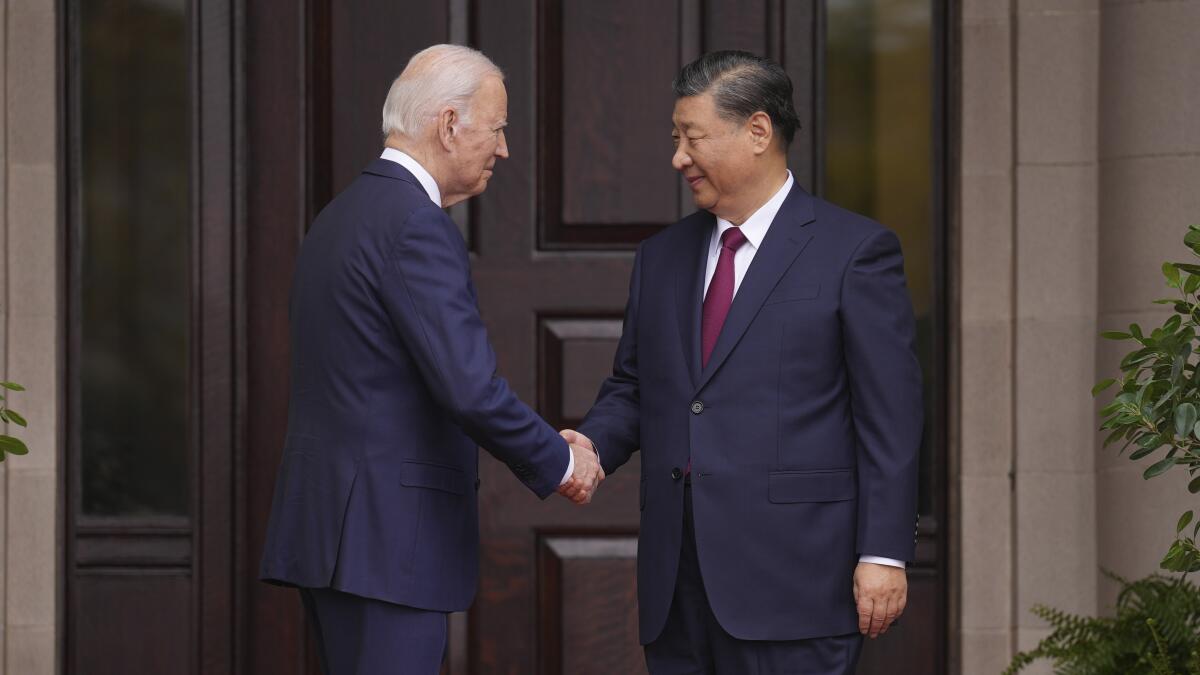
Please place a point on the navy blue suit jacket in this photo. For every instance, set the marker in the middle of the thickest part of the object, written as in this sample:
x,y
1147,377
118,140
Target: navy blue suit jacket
x,y
803,430
393,388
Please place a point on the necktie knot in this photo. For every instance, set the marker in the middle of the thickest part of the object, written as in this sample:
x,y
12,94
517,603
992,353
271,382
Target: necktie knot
x,y
732,239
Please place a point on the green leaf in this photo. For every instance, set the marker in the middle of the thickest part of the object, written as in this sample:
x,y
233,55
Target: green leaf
x,y
1194,487
1171,273
1158,468
1192,237
1101,386
1187,267
14,446
15,418
1113,437
1172,324
1192,283
12,386
1140,453
1152,441
1183,521
1115,335
1185,419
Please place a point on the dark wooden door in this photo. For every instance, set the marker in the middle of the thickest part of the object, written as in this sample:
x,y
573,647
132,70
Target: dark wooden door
x,y
551,241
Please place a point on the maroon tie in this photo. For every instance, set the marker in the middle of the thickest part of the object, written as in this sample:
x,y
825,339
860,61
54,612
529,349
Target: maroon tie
x,y
720,292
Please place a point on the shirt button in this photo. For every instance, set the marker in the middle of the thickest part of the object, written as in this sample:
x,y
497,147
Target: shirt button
x,y
697,407
676,473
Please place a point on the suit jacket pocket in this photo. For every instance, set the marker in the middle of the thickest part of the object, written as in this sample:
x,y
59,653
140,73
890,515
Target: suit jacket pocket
x,y
434,476
794,293
827,485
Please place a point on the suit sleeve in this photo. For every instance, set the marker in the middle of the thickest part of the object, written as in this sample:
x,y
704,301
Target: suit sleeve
x,y
879,335
614,421
428,295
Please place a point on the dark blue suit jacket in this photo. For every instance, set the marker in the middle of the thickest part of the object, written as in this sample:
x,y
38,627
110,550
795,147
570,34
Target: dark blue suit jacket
x,y
803,430
393,388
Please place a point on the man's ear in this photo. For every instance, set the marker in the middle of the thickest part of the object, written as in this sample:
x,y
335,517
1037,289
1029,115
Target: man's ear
x,y
761,131
448,127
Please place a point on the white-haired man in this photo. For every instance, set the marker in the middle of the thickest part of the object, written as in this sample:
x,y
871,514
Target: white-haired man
x,y
393,387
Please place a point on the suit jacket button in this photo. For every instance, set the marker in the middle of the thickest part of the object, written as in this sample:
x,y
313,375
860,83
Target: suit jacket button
x,y
676,473
697,407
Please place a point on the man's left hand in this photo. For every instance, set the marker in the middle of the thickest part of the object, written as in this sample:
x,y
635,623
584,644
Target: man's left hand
x,y
881,592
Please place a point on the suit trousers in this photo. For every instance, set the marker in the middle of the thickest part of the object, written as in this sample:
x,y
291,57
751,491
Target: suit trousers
x,y
694,643
363,636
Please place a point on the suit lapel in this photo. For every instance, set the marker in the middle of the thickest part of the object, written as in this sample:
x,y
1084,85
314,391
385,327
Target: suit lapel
x,y
689,289
785,239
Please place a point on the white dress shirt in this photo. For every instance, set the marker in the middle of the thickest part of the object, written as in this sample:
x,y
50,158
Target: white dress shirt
x,y
414,167
755,228
435,195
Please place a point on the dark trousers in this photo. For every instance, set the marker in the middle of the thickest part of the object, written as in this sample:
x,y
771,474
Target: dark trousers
x,y
694,643
361,636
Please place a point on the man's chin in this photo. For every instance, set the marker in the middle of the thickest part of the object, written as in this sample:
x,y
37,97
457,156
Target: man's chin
x,y
703,201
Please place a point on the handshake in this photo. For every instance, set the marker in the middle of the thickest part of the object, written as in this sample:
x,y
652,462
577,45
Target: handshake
x,y
588,474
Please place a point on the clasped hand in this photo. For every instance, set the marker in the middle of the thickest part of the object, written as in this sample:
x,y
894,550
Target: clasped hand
x,y
588,474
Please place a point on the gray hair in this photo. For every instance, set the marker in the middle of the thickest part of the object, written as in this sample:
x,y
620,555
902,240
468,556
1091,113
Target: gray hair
x,y
435,77
742,84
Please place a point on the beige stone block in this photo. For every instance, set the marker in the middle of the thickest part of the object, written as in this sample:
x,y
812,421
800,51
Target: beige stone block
x,y
31,650
33,245
1057,85
31,556
984,651
1056,543
1146,205
987,124
1136,521
985,11
986,403
986,247
31,82
1150,91
33,361
1057,6
985,532
1057,241
1055,418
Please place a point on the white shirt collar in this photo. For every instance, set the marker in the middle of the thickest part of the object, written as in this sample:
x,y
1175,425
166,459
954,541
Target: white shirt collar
x,y
756,226
414,167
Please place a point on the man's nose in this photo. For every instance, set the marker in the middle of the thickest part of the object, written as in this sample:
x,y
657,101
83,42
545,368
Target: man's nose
x,y
680,160
502,148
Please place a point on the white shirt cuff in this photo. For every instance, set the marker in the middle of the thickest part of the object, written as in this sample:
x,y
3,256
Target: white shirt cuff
x,y
881,561
570,467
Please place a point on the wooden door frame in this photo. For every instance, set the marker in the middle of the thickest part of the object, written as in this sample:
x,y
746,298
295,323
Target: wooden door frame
x,y
198,546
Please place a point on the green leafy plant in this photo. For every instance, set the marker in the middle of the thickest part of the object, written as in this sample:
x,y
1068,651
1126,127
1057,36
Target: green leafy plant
x,y
8,444
1156,409
1156,630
